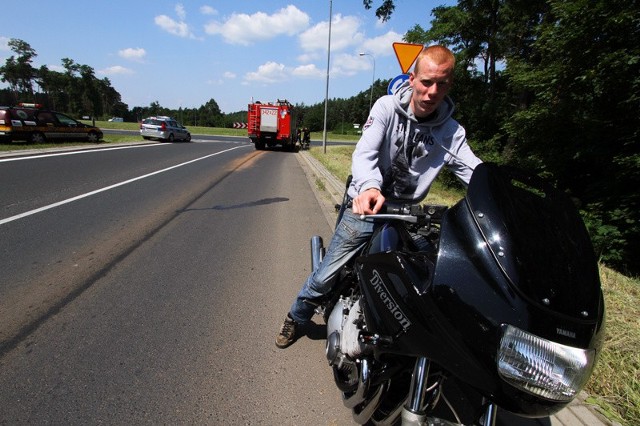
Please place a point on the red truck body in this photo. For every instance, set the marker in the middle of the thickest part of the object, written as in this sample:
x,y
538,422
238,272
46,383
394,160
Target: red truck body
x,y
271,124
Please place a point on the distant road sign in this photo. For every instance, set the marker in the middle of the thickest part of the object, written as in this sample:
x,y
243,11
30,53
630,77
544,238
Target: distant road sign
x,y
239,125
397,82
407,54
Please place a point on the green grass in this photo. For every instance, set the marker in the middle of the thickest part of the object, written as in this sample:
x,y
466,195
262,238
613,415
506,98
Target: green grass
x,y
337,160
614,387
195,130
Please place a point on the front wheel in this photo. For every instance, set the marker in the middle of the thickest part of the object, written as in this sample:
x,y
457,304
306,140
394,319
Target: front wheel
x,y
37,138
93,137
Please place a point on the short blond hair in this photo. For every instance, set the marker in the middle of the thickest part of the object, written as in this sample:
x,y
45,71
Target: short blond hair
x,y
438,54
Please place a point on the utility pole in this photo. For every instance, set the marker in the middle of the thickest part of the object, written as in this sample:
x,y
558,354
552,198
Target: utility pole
x,y
326,94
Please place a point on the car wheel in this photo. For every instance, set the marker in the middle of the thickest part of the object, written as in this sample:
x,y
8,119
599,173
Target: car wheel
x,y
188,138
170,137
37,138
92,137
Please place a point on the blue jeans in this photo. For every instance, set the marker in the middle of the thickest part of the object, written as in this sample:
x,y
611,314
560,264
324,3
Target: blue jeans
x,y
351,235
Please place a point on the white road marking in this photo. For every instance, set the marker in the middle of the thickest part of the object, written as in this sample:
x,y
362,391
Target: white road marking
x,y
107,188
57,154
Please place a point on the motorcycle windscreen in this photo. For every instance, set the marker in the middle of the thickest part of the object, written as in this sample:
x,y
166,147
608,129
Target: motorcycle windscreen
x,y
537,237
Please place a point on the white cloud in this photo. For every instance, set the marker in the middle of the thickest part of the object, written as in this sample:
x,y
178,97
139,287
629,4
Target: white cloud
x,y
246,29
344,33
382,45
310,57
208,10
182,14
55,67
228,75
181,29
116,70
347,64
133,54
4,44
271,72
309,71
342,64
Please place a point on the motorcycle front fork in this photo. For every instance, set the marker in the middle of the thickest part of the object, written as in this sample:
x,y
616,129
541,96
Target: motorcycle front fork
x,y
420,399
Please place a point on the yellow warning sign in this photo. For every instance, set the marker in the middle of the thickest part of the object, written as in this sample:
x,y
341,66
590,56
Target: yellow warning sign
x,y
407,54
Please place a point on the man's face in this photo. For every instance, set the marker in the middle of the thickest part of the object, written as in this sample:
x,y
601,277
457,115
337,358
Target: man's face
x,y
430,83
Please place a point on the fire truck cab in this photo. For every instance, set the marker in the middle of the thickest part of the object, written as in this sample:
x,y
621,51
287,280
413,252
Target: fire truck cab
x,y
271,124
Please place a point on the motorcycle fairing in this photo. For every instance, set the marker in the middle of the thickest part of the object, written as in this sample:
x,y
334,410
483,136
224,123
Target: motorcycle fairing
x,y
538,238
483,277
455,311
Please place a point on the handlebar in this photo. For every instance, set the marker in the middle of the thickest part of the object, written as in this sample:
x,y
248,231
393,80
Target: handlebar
x,y
410,213
384,216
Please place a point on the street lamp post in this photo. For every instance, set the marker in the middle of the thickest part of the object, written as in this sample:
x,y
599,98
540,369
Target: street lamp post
x,y
326,93
373,77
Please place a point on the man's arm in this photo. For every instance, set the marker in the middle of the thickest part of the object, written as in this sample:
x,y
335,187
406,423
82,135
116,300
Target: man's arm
x,y
462,161
365,160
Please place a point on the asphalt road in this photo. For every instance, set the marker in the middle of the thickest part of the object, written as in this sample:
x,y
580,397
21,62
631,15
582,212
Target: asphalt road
x,y
146,285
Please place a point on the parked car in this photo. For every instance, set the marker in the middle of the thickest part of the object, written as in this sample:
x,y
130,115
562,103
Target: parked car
x,y
32,123
116,119
163,128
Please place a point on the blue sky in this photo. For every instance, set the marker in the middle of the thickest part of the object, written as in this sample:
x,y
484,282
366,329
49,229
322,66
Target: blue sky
x,y
182,54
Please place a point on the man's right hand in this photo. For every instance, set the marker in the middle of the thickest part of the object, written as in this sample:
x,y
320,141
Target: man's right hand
x,y
368,202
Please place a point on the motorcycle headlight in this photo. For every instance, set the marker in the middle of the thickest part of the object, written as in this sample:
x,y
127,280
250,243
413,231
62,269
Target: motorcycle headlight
x,y
542,367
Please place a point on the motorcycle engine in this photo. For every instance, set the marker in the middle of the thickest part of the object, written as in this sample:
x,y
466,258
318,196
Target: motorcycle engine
x,y
343,330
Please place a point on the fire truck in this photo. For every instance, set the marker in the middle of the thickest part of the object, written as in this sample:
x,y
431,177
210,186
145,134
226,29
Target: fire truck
x,y
271,124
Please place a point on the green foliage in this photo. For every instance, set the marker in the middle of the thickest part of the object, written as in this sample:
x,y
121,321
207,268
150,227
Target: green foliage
x,y
342,114
554,86
606,235
76,90
18,71
384,11
578,123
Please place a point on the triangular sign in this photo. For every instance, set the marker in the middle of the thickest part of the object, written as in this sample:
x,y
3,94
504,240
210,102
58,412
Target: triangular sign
x,y
407,54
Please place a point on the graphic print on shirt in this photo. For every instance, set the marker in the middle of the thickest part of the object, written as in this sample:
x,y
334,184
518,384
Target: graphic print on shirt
x,y
368,123
399,180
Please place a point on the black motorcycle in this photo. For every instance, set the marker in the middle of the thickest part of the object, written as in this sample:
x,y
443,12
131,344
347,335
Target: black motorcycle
x,y
450,313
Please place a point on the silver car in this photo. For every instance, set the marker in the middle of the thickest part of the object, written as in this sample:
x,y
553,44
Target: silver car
x,y
163,128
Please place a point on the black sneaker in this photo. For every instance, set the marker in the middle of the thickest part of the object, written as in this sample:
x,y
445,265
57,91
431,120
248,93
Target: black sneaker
x,y
287,333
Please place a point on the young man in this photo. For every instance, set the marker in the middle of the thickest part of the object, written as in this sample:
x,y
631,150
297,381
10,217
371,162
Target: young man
x,y
408,138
